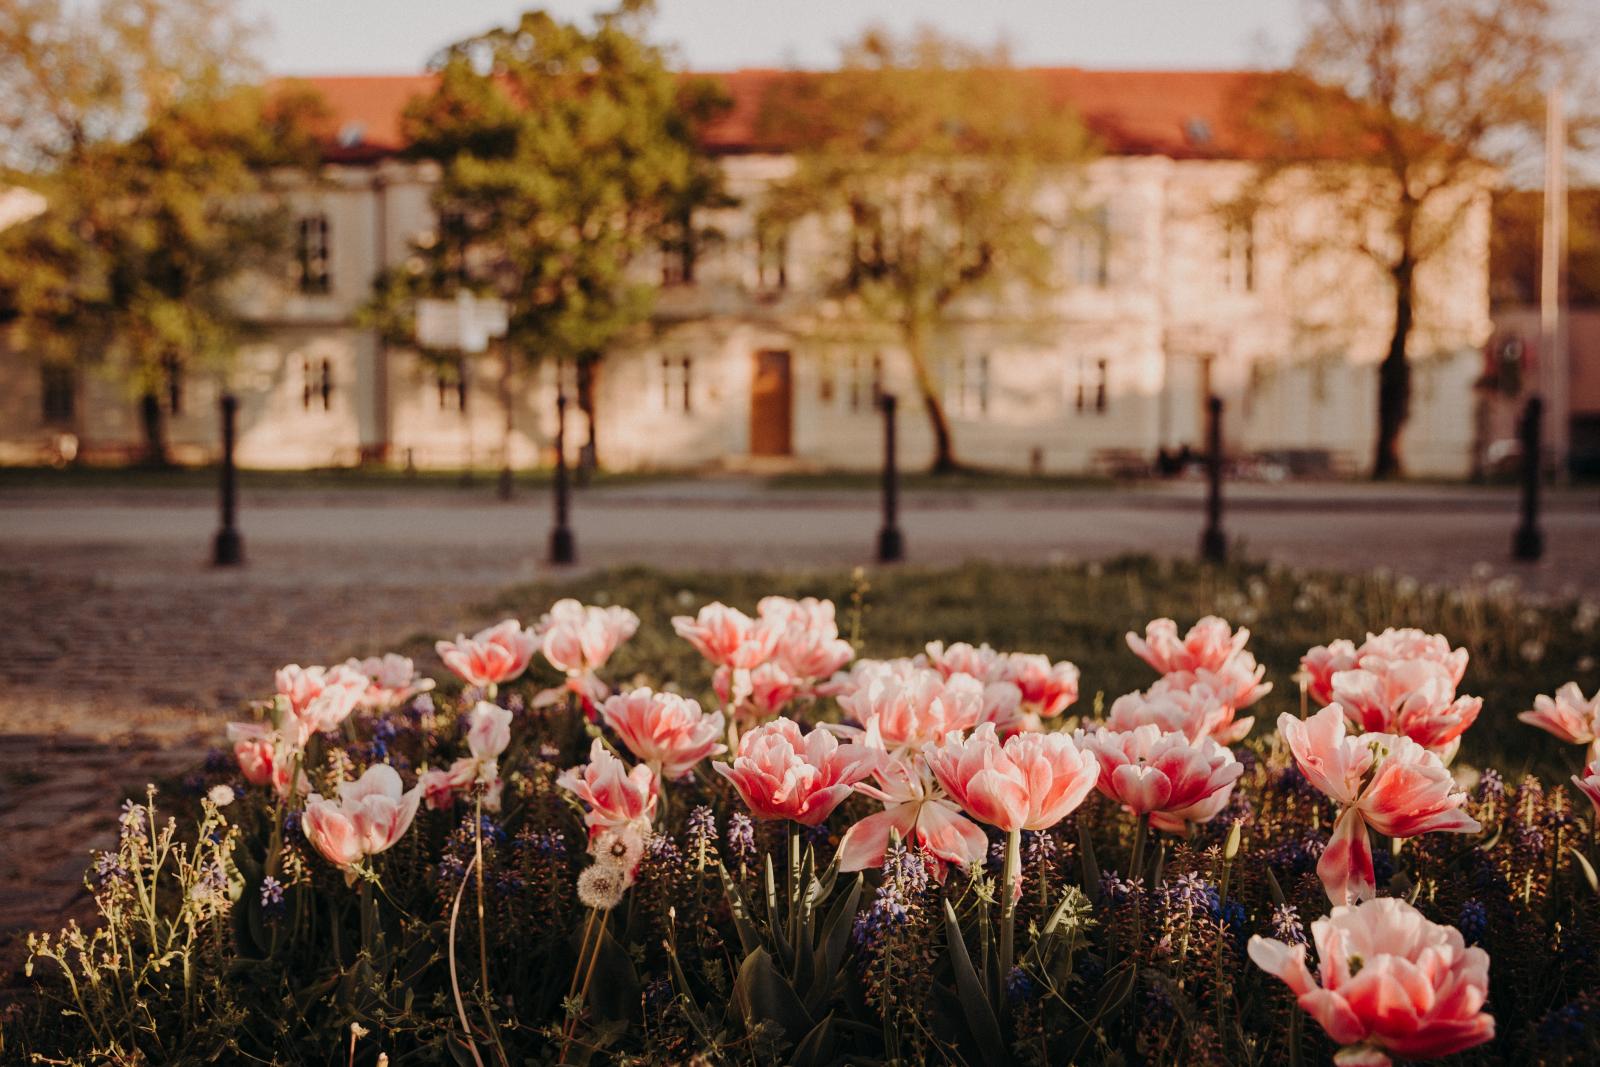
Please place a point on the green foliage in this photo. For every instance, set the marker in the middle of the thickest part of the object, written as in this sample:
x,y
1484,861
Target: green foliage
x,y
937,173
565,152
155,157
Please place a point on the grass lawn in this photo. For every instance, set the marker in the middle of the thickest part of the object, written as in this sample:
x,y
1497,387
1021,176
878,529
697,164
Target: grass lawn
x,y
1080,612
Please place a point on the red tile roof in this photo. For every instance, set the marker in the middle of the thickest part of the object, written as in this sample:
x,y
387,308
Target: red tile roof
x,y
1182,114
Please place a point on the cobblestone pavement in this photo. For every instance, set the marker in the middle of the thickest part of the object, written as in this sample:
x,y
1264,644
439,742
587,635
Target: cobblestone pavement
x,y
121,653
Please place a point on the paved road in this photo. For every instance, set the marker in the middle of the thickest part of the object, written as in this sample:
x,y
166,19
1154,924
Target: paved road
x,y
470,542
121,651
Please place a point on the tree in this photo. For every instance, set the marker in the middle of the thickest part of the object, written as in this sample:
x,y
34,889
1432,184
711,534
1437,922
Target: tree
x,y
925,163
1420,101
137,123
565,152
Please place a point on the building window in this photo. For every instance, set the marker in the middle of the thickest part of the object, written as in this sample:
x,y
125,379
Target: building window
x,y
317,384
866,382
1239,256
311,255
676,268
673,387
967,389
452,384
59,392
1102,381
1089,249
772,259
825,379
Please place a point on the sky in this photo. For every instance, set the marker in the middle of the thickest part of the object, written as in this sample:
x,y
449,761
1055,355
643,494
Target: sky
x,y
397,36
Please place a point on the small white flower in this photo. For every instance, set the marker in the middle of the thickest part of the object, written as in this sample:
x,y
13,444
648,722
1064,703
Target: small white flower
x,y
621,847
1585,664
221,795
1532,651
601,886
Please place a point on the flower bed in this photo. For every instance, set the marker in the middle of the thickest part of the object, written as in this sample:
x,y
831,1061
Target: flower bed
x,y
779,850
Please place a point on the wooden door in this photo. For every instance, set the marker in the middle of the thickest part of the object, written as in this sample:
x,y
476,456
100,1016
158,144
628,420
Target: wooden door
x,y
771,404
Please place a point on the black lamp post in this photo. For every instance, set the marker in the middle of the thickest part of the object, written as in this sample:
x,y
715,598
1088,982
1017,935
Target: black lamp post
x,y
562,548
228,549
1213,542
1528,542
891,542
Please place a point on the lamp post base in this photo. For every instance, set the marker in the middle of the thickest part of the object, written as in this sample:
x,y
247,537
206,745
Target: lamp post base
x,y
1527,544
228,549
1213,546
562,548
891,545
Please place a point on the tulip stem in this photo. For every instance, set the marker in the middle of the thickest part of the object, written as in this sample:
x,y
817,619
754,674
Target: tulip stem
x,y
1141,831
1008,904
455,981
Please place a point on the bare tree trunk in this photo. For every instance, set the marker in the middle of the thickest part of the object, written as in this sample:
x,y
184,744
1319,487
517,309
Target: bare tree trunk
x,y
944,456
1394,376
155,431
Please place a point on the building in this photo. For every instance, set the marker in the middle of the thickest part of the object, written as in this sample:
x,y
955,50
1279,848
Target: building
x,y
1164,301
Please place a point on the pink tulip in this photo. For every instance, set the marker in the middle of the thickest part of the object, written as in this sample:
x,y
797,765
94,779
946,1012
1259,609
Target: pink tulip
x,y
441,787
755,693
371,814
578,639
1164,775
391,680
491,656
264,757
1196,712
1322,663
664,730
1415,698
1567,715
1383,780
320,698
1413,644
1002,705
808,643
862,671
488,731
1048,689
1209,645
1388,981
614,795
982,662
783,774
727,637
1030,782
1590,784
1238,683
919,814
909,712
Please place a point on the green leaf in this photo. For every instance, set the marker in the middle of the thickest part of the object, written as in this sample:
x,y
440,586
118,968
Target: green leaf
x,y
975,1006
749,937
830,952
1588,870
819,1048
761,994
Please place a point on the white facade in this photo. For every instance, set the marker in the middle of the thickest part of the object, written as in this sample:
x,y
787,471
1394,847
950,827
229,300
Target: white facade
x,y
1283,319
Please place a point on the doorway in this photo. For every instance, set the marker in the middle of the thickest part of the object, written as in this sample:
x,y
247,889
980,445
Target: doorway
x,y
771,404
